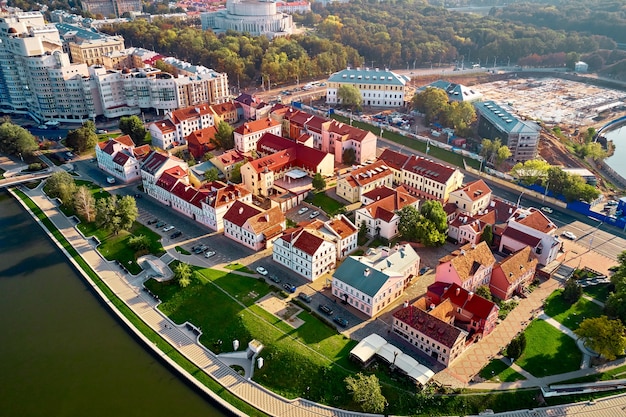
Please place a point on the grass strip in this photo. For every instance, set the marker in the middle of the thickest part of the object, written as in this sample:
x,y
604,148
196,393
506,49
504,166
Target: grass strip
x,y
139,324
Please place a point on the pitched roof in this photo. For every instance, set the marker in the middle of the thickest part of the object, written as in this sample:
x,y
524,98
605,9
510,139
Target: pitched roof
x,y
223,108
125,140
348,132
153,162
517,264
165,126
475,190
393,159
353,273
268,222
431,326
307,242
281,151
240,212
367,174
141,152
499,211
535,219
430,169
256,126
231,157
220,194
386,208
190,112
121,158
521,237
341,226
467,260
479,307
380,192
203,136
368,76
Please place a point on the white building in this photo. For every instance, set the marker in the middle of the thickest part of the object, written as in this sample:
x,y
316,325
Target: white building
x,y
179,124
117,158
253,227
153,166
380,211
471,198
379,88
248,134
256,17
305,252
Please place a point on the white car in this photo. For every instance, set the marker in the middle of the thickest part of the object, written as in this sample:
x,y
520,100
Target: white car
x,y
547,210
261,270
111,180
168,228
569,235
314,214
303,210
208,254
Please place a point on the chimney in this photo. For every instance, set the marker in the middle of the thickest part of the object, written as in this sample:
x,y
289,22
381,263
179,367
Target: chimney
x,y
458,291
367,272
240,210
470,295
406,303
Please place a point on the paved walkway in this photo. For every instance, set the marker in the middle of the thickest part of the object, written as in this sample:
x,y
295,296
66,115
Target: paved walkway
x,y
587,353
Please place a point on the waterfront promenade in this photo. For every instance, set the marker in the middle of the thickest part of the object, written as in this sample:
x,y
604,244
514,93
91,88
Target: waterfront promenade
x,y
130,290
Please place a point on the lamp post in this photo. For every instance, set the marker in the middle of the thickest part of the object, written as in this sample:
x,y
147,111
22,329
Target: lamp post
x,y
520,198
546,191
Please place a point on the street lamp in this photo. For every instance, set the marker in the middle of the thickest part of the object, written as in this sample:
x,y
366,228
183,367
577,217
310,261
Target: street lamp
x,y
520,198
546,191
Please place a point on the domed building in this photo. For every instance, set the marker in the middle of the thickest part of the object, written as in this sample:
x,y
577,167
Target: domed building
x,y
257,17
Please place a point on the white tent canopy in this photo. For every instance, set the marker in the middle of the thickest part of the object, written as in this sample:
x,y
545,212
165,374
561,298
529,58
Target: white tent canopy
x,y
377,345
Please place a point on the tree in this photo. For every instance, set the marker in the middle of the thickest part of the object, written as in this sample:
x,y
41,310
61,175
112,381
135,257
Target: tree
x,y
433,102
350,96
224,137
115,213
61,185
235,173
138,243
487,235
603,335
363,230
85,204
207,156
211,174
366,391
83,139
502,155
182,273
15,140
558,180
516,347
429,225
319,183
531,171
484,292
572,291
133,127
349,156
408,223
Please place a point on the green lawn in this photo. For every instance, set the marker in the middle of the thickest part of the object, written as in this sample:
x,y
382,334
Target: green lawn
x,y
182,250
239,267
329,205
498,371
600,292
570,315
444,155
548,351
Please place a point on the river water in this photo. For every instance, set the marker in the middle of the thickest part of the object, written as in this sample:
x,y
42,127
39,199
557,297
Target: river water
x,y
617,161
62,353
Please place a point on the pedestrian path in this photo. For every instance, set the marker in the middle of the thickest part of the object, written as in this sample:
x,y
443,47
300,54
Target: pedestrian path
x,y
593,300
587,353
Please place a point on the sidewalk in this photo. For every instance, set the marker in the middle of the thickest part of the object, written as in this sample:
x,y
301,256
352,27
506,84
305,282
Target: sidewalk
x,y
129,290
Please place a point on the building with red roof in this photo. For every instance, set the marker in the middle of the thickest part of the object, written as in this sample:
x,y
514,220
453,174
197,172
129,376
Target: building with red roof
x,y
469,267
153,166
338,137
248,134
252,226
396,162
201,141
514,274
252,108
117,158
354,184
466,229
227,161
380,213
530,227
430,180
306,252
281,157
471,312
430,334
471,198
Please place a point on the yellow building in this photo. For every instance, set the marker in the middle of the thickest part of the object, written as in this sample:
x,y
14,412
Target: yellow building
x,y
93,51
380,88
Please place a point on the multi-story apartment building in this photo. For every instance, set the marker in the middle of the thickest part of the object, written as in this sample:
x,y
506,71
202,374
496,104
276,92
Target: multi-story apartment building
x,y
179,124
354,184
108,8
153,167
338,137
496,122
379,88
248,134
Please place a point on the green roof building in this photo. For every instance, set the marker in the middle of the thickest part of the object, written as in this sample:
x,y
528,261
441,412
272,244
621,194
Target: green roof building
x,y
378,88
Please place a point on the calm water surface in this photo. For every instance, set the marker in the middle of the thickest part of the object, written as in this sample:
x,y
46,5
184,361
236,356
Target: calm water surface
x,y
61,352
618,160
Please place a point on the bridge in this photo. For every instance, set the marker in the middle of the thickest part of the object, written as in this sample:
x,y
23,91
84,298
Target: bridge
x,y
20,179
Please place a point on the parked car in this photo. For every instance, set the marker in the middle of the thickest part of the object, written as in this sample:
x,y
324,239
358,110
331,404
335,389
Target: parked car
x,y
547,210
101,131
261,270
424,270
314,214
200,249
325,309
176,234
153,221
303,210
569,235
305,297
159,224
340,321
611,203
69,155
137,196
274,278
209,253
289,287
42,127
111,180
168,228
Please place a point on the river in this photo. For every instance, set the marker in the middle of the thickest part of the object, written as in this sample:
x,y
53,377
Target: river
x,y
62,352
618,159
